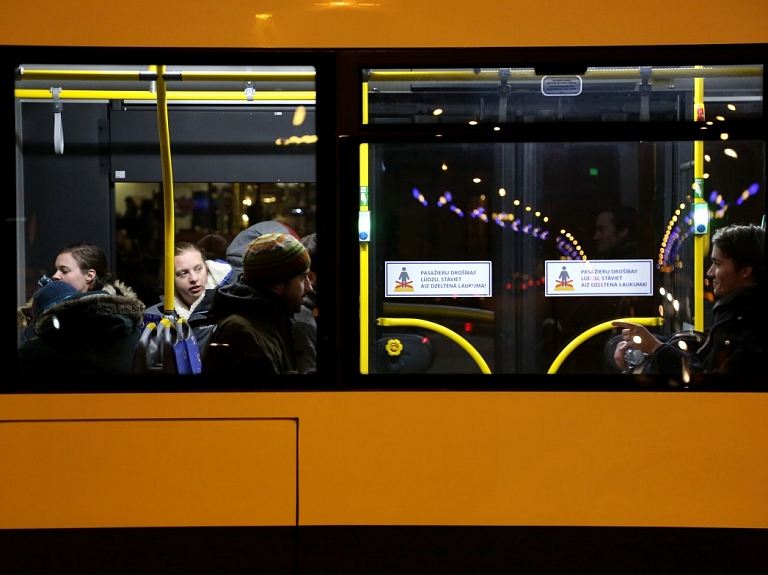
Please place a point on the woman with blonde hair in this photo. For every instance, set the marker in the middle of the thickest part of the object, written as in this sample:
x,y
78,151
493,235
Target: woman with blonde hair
x,y
195,280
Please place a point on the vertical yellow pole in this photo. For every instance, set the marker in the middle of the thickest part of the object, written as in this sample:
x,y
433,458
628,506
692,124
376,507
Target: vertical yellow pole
x,y
364,245
700,242
168,208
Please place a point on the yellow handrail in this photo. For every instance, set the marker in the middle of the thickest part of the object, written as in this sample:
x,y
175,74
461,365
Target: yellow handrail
x,y
364,248
452,335
182,75
659,74
261,95
700,242
169,223
601,327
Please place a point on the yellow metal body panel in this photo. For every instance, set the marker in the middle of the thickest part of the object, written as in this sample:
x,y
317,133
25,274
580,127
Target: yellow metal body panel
x,y
386,458
383,23
127,472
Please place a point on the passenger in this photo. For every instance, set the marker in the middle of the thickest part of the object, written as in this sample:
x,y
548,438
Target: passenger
x,y
80,333
244,238
253,316
735,342
214,247
83,266
305,322
195,279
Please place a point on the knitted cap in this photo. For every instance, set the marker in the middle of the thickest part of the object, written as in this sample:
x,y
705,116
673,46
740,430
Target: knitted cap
x,y
51,294
272,259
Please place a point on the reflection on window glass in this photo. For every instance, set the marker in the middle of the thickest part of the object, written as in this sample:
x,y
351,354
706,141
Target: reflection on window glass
x,y
521,205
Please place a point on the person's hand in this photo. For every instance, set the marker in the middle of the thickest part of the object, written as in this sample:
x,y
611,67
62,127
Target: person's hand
x,y
618,355
635,336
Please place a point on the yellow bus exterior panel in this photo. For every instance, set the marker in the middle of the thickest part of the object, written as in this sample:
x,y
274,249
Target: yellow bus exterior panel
x,y
384,23
147,473
395,458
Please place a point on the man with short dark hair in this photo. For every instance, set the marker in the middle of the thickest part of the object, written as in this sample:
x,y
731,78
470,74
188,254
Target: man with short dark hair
x,y
735,343
253,316
615,233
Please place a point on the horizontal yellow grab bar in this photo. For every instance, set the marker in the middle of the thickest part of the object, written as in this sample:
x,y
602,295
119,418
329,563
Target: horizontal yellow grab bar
x,y
658,74
145,75
260,95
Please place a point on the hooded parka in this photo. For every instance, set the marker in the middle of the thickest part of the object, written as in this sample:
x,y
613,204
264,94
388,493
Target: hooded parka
x,y
89,333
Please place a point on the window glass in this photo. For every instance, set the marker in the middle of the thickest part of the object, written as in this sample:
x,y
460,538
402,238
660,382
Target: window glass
x,y
468,242
596,94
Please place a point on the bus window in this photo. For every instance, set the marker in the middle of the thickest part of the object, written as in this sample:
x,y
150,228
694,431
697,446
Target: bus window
x,y
497,254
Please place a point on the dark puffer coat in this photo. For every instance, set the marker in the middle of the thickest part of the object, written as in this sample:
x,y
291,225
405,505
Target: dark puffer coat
x,y
90,333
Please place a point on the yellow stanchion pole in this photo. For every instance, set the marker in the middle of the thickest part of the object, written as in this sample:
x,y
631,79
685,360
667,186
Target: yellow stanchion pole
x,y
364,245
700,241
168,211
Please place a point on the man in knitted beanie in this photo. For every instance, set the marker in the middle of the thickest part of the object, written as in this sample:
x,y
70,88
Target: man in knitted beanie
x,y
252,333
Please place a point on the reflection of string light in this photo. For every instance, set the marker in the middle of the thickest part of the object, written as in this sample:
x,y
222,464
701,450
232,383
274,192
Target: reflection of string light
x,y
502,219
419,197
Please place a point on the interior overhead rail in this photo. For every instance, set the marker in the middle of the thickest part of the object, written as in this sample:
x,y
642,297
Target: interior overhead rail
x,y
260,95
202,76
170,76
492,75
100,75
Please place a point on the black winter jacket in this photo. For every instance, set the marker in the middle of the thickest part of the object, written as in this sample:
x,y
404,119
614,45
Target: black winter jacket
x,y
734,344
252,336
89,333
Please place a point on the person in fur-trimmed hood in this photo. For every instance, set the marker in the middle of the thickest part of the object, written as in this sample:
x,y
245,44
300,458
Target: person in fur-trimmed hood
x,y
94,332
195,281
84,267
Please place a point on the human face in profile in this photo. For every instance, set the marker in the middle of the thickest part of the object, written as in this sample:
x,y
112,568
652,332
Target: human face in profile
x,y
191,275
295,290
724,275
68,271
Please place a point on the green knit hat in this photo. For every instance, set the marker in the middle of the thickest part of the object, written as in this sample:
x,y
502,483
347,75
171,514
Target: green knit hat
x,y
272,259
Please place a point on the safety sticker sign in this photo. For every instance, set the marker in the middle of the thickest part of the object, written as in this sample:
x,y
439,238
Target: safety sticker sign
x,y
598,277
425,279
561,85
